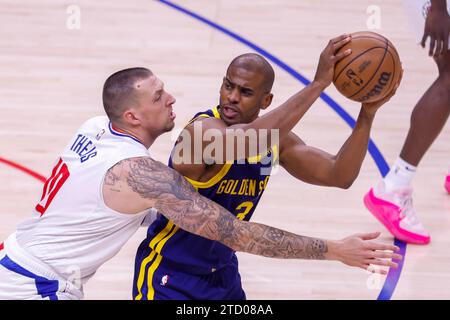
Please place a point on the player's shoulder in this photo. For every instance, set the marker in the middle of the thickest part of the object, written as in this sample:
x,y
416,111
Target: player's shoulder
x,y
96,122
209,119
206,123
212,113
209,113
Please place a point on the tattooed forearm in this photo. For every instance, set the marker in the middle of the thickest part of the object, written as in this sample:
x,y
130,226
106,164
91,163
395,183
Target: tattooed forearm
x,y
272,242
176,199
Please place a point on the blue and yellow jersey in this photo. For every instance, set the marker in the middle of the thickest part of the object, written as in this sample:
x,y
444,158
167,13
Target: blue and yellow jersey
x,y
237,187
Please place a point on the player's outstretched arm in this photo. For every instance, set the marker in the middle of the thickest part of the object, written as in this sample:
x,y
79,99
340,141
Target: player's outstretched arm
x,y
152,184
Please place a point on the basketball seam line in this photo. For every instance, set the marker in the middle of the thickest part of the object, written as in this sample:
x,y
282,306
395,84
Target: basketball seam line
x,y
360,37
393,72
359,55
378,68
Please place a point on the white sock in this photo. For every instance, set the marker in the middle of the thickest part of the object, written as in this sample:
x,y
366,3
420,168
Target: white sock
x,y
400,175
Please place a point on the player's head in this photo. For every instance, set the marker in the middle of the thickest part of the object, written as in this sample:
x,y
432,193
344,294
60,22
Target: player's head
x,y
135,98
246,88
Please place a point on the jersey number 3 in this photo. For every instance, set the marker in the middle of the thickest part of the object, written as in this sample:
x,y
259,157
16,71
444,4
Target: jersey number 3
x,y
59,175
247,206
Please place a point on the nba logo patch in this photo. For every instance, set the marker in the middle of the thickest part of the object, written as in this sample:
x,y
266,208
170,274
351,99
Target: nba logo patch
x,y
164,280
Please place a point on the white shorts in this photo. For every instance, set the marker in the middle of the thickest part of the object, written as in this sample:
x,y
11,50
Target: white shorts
x,y
19,283
417,11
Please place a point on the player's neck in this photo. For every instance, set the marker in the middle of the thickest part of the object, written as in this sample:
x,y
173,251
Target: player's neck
x,y
147,141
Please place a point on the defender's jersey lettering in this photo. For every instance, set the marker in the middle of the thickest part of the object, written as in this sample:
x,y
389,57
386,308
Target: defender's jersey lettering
x,y
84,148
59,175
72,207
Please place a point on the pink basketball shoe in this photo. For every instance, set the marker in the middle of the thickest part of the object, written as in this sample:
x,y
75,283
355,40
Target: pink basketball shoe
x,y
395,211
447,183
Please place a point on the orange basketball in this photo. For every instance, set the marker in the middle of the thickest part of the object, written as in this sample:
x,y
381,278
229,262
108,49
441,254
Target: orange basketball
x,y
372,69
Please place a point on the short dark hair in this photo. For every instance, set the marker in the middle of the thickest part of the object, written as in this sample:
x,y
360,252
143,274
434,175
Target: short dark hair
x,y
119,90
256,63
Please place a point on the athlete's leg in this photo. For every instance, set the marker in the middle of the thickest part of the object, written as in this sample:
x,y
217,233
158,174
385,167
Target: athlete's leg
x,y
429,115
391,200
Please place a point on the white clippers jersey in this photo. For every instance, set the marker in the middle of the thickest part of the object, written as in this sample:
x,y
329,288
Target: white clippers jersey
x,y
71,229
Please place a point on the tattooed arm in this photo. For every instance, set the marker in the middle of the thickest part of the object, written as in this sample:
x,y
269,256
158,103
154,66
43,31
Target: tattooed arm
x,y
137,184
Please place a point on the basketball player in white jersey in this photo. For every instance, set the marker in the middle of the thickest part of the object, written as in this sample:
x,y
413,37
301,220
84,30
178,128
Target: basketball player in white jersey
x,y
391,200
105,185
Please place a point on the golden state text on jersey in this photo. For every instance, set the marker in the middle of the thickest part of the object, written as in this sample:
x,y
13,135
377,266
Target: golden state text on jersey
x,y
237,187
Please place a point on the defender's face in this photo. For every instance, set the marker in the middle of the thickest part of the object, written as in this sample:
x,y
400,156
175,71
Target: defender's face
x,y
155,106
241,96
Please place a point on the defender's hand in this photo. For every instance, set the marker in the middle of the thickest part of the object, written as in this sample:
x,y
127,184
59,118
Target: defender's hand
x,y
359,251
437,27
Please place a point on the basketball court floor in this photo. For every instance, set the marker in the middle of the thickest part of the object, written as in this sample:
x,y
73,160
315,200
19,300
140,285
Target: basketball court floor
x,y
51,79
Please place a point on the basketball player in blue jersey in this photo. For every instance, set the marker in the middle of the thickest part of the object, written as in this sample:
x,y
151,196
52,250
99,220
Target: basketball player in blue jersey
x,y
174,264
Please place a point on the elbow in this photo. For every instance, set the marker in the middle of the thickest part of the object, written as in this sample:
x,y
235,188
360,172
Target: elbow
x,y
345,183
344,180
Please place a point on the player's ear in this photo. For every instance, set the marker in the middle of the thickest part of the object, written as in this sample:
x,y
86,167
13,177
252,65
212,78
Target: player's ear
x,y
130,117
267,100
